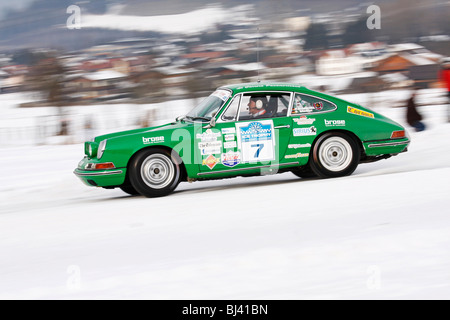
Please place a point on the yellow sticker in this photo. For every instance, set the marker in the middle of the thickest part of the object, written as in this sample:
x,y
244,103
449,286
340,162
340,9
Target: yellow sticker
x,y
359,112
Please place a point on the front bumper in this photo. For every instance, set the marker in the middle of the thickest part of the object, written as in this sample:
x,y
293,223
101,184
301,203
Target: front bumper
x,y
100,178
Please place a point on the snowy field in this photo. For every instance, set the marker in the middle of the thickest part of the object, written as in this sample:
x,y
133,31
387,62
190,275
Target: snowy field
x,y
382,233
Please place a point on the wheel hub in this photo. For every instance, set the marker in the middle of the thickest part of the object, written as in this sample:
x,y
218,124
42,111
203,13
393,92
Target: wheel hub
x,y
335,154
157,171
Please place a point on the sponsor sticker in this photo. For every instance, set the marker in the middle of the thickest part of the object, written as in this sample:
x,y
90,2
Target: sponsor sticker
x,y
202,145
213,147
231,159
152,140
297,155
228,130
230,144
298,132
301,106
359,112
208,135
304,120
229,137
210,162
298,146
318,105
333,123
222,94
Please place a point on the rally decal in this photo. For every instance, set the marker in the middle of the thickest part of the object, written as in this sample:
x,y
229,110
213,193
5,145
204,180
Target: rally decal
x,y
256,141
210,162
231,159
359,112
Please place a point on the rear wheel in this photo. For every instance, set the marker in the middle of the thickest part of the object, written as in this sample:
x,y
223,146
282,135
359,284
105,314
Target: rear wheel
x,y
154,173
335,154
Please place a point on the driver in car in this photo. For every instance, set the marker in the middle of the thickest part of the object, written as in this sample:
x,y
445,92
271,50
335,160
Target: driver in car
x,y
256,107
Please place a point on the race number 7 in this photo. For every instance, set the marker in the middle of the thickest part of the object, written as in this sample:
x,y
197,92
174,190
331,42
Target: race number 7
x,y
258,151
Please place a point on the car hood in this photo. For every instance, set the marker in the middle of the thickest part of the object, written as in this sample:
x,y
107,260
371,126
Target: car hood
x,y
168,126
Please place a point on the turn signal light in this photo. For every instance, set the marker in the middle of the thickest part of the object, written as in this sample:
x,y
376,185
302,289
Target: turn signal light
x,y
107,165
398,134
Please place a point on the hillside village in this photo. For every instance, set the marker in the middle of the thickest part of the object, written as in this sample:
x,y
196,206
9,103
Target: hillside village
x,y
168,67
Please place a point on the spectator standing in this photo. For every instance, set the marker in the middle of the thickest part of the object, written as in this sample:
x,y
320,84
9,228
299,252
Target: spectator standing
x,y
445,78
413,117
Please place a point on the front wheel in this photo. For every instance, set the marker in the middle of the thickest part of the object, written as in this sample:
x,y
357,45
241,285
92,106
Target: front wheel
x,y
335,154
154,173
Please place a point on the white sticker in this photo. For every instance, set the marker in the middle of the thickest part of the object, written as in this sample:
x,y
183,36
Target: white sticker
x,y
256,140
304,120
298,146
152,140
332,123
229,137
230,144
228,130
208,135
298,132
222,94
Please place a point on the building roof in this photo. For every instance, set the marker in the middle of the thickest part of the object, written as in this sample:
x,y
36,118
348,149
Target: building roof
x,y
104,75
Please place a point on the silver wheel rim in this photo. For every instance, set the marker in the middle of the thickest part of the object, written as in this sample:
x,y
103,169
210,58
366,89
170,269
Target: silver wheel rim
x,y
157,171
335,154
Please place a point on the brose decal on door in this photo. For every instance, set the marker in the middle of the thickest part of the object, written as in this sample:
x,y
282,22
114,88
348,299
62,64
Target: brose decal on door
x,y
256,141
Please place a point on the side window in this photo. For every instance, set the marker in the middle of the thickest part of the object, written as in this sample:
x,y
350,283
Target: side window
x,y
264,105
231,112
310,104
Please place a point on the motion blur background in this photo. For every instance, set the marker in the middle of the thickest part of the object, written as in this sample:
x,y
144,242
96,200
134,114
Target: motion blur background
x,y
73,69
70,70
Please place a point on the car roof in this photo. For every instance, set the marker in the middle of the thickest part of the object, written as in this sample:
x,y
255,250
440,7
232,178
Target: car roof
x,y
263,86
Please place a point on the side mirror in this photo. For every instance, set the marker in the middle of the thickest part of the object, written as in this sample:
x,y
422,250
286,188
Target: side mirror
x,y
212,124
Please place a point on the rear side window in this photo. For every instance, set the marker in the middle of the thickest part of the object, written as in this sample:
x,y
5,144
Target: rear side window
x,y
309,104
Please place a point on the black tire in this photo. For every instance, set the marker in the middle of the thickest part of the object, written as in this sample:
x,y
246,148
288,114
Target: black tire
x,y
154,173
335,154
128,188
304,172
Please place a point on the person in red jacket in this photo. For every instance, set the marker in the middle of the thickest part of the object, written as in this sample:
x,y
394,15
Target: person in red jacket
x,y
445,78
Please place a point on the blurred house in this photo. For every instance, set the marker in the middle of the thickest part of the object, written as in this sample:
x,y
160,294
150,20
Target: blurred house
x,y
421,70
13,78
297,24
99,85
367,84
337,62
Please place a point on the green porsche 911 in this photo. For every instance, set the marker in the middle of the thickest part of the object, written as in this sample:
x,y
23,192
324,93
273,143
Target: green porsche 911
x,y
244,130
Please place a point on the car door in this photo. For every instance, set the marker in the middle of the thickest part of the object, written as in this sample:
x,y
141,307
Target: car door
x,y
247,142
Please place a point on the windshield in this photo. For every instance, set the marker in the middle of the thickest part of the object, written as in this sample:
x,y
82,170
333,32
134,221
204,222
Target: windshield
x,y
209,107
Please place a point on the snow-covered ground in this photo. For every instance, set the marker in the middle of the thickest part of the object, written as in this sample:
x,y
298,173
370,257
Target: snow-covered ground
x,y
382,233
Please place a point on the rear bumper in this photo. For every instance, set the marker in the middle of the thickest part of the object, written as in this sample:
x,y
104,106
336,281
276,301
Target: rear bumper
x,y
390,146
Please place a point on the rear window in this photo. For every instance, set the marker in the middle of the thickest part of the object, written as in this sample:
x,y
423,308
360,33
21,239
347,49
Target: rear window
x,y
310,104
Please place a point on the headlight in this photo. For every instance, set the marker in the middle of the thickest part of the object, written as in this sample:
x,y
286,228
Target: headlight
x,y
90,149
101,148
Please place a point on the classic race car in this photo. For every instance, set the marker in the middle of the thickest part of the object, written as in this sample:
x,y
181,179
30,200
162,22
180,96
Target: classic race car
x,y
244,130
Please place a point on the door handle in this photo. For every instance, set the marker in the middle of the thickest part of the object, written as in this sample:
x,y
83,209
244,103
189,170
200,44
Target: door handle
x,y
281,127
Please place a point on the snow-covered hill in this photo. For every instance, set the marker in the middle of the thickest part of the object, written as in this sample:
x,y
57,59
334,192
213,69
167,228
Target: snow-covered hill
x,y
382,233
